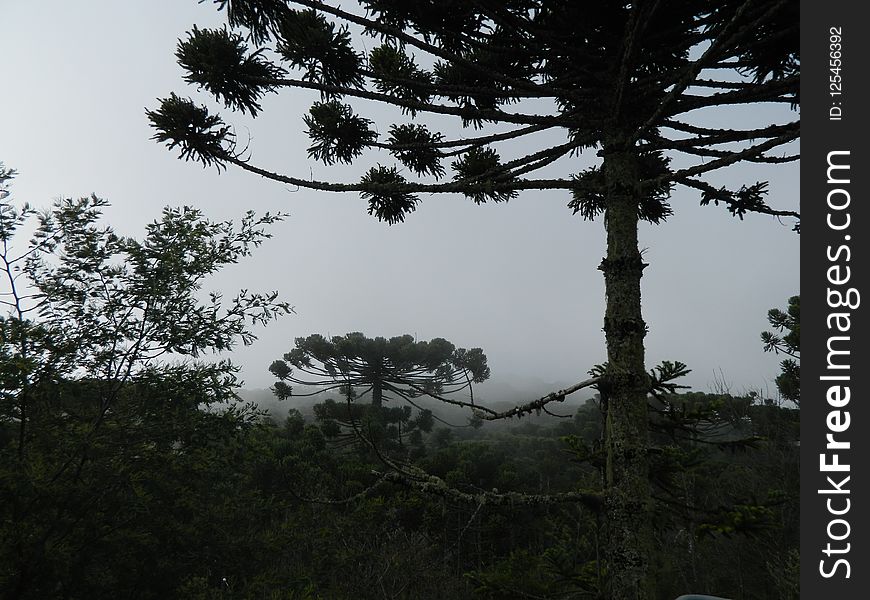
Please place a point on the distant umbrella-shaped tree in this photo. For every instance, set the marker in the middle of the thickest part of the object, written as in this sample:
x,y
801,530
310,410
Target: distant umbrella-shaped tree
x,y
399,368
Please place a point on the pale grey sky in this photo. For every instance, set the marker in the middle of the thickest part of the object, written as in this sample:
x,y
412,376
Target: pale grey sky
x,y
518,279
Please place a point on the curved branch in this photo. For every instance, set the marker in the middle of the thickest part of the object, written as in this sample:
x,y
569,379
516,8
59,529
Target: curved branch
x,y
450,187
489,414
359,495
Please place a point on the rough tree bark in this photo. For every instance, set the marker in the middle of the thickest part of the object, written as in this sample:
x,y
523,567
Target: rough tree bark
x,y
627,499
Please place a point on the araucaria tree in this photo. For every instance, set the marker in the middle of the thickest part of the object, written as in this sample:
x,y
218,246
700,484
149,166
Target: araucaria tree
x,y
400,368
632,83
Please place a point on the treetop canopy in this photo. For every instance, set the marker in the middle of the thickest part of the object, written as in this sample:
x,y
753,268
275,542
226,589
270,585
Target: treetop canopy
x,y
613,76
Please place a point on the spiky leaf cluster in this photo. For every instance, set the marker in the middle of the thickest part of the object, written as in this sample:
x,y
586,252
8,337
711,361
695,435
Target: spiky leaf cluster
x,y
257,16
662,377
445,22
384,188
200,136
482,165
395,73
416,147
337,134
218,61
478,87
788,381
590,192
308,41
739,202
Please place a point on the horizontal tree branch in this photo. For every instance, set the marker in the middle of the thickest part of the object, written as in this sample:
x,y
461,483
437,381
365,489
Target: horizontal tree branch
x,y
430,484
447,90
773,91
709,152
472,141
750,152
706,187
706,137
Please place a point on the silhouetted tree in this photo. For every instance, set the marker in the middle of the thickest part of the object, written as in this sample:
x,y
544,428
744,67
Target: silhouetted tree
x,y
399,368
631,82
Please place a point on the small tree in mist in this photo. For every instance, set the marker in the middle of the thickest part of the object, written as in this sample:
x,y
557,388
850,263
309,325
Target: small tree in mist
x,y
632,83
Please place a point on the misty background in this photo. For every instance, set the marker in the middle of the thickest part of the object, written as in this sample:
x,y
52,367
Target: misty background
x,y
518,279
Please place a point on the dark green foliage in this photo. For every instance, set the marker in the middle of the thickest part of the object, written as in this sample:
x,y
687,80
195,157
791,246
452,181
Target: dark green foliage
x,y
590,195
443,21
397,74
218,61
788,382
414,145
662,378
309,42
257,16
461,85
337,134
384,191
200,136
767,49
483,165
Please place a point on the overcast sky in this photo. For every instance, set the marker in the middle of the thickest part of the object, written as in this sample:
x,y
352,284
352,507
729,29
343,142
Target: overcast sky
x,y
519,279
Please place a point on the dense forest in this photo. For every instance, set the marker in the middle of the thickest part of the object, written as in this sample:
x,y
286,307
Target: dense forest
x,y
132,469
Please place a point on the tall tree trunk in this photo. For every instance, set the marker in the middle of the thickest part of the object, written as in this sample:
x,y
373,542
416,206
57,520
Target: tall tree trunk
x,y
627,494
